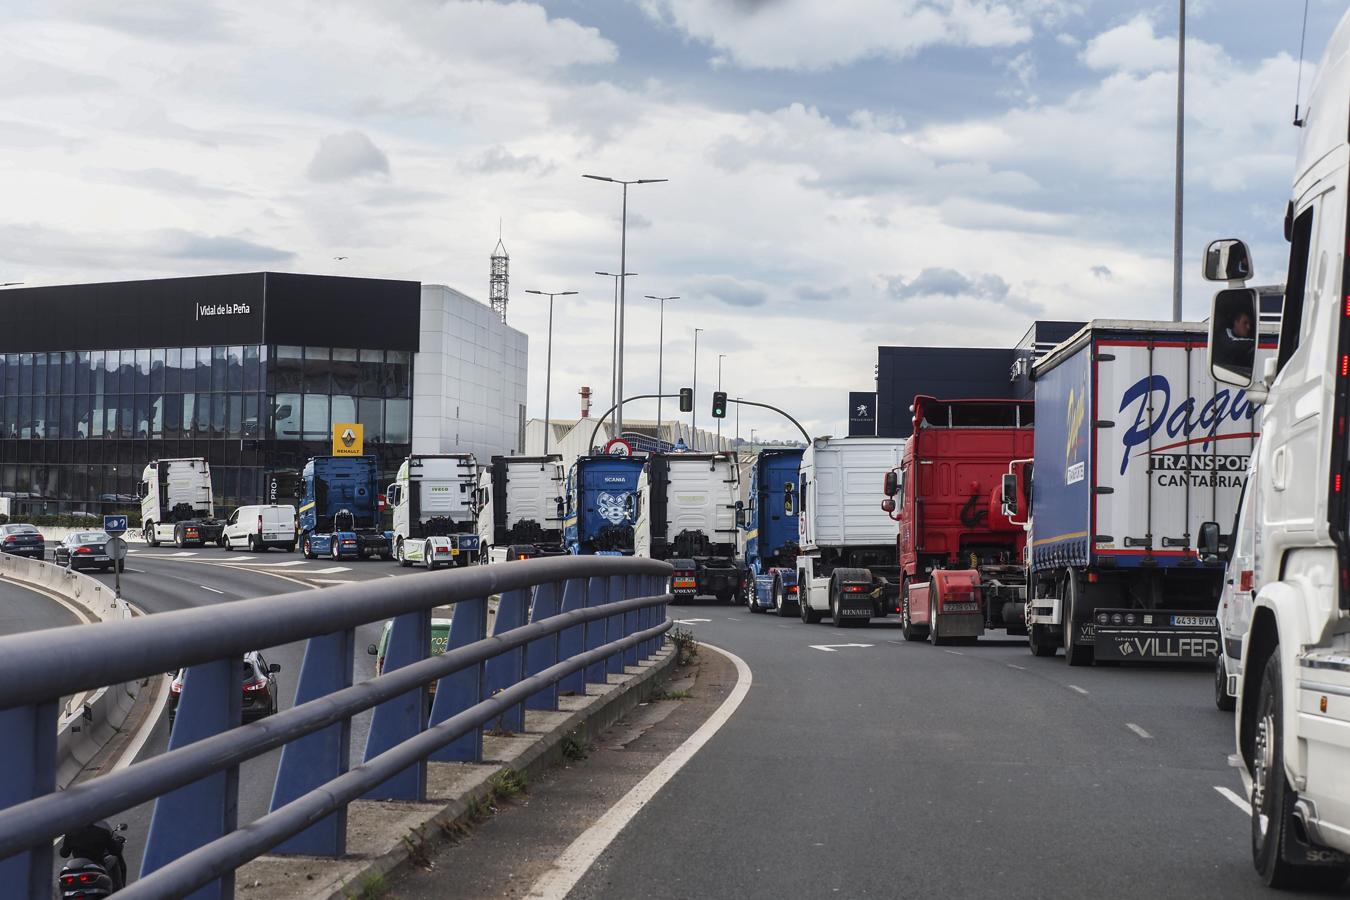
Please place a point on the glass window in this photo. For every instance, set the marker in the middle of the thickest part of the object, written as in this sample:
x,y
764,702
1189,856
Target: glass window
x,y
68,372
11,374
219,410
83,383
40,374
157,416
128,371
219,367
110,418
126,419
143,409
318,372
96,415
252,403
289,370
26,418
142,371
173,370
397,422
287,417
53,411
343,410
98,376
201,422
11,425
316,417
234,372
370,413
397,374
251,369
235,420
372,362
189,411
156,371
111,384
173,415
202,381
26,374
346,371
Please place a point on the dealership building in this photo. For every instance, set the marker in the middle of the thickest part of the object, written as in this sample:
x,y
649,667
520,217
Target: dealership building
x,y
249,371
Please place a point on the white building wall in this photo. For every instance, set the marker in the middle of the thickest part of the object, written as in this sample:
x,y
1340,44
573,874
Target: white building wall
x,y
468,378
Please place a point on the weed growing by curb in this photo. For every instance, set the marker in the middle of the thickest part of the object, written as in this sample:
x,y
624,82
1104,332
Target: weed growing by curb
x,y
574,748
672,695
372,887
506,784
686,647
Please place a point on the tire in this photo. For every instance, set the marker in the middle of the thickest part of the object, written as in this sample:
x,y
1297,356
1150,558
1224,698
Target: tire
x,y
307,548
151,539
179,538
911,631
1272,799
1222,700
1075,654
1041,640
220,541
935,636
226,543
290,548
255,545
335,548
809,615
398,555
780,598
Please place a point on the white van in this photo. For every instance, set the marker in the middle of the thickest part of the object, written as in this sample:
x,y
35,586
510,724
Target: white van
x,y
258,527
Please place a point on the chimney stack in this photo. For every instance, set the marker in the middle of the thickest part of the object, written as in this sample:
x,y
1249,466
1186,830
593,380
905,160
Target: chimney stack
x,y
585,402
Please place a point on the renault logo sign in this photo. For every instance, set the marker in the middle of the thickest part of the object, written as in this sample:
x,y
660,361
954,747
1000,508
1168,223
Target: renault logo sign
x,y
349,439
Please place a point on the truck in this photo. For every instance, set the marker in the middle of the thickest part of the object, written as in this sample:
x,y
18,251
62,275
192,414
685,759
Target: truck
x,y
521,508
846,565
1136,447
688,513
770,534
435,502
601,508
177,503
1292,722
339,509
961,559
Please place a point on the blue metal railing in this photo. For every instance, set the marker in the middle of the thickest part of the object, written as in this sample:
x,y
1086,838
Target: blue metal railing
x,y
562,622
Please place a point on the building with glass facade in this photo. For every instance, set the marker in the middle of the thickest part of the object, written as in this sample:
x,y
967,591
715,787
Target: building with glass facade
x,y
249,371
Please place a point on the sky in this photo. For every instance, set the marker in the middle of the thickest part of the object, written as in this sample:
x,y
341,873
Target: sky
x,y
841,175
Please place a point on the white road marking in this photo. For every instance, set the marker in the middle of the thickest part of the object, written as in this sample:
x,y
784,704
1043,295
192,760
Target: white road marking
x,y
1074,687
332,581
331,570
954,652
690,621
1234,799
1137,730
831,648
137,744
211,589
1018,668
263,565
577,859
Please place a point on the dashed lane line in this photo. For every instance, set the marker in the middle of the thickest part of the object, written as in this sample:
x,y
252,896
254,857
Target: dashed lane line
x,y
1232,797
1018,668
211,589
331,570
1139,731
954,652
1074,687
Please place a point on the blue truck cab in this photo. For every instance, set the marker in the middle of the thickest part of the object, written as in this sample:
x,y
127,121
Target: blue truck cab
x,y
771,537
601,507
339,509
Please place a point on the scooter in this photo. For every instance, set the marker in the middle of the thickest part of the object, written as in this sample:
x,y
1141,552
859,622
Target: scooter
x,y
84,878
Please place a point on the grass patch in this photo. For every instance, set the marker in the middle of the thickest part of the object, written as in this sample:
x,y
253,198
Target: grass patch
x,y
371,887
672,695
574,748
686,648
507,784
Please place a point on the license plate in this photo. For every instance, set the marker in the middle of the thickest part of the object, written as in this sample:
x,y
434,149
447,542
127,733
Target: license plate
x,y
961,606
269,537
100,559
1196,621
454,551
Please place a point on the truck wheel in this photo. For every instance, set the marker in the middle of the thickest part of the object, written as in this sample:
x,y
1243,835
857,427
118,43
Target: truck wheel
x,y
149,534
911,631
1075,654
307,547
753,602
779,598
1272,800
179,537
809,615
1041,641
335,548
399,555
1222,699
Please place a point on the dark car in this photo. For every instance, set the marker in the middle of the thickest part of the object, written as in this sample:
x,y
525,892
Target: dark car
x,y
22,540
86,550
260,688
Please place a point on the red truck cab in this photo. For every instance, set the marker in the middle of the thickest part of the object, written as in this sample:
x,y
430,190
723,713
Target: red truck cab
x,y
961,559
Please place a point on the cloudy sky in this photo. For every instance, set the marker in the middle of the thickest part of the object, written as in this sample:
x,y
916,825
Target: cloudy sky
x,y
842,174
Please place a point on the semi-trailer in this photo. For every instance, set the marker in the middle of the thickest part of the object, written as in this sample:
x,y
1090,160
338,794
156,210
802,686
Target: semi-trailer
x,y
771,531
521,508
435,510
601,506
688,513
846,565
177,503
961,559
339,509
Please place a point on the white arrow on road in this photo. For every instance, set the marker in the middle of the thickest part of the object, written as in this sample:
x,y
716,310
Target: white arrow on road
x,y
830,648
690,621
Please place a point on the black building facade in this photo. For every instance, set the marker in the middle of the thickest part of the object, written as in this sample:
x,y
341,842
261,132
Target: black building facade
x,y
249,371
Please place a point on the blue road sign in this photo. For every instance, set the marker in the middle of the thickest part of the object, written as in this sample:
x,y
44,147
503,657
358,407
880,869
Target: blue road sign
x,y
115,524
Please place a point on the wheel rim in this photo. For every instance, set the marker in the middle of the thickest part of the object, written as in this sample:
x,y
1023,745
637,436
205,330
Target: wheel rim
x,y
1263,770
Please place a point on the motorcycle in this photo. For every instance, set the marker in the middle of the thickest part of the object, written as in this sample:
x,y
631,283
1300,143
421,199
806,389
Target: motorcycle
x,y
96,868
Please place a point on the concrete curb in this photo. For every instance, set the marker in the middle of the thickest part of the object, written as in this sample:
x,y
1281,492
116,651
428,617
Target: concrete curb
x,y
384,836
83,732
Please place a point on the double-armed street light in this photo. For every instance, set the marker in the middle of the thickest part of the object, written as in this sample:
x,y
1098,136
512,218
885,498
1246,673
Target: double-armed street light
x,y
548,366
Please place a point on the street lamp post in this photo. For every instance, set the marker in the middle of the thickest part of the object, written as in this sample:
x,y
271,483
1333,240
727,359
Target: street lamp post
x,y
1180,164
693,415
623,267
720,357
548,366
660,360
614,351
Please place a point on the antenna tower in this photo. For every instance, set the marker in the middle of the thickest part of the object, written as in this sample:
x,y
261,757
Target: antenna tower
x,y
499,282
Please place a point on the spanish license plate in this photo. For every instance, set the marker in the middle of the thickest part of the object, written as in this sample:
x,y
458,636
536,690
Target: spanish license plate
x,y
962,606
269,537
1195,621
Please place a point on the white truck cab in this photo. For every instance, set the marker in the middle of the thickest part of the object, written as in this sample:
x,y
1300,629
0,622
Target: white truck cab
x,y
521,507
433,499
1293,696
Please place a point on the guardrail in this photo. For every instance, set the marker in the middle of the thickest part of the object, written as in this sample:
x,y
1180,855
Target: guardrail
x,y
561,622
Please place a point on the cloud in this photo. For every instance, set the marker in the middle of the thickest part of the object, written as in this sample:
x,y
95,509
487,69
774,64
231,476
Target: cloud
x,y
498,159
1132,47
174,250
178,184
729,290
1102,273
175,243
347,155
36,78
937,283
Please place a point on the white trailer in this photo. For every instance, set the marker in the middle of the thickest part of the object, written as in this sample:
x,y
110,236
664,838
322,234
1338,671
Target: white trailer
x,y
177,503
434,501
848,566
688,512
521,507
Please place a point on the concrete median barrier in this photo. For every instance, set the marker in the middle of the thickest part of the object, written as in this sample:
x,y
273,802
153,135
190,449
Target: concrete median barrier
x,y
89,721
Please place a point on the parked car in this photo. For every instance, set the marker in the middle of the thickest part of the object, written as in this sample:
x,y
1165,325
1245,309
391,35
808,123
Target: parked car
x,y
260,527
440,639
260,688
86,550
22,540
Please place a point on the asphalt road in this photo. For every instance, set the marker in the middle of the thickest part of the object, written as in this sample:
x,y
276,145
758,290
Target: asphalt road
x,y
23,610
899,769
165,578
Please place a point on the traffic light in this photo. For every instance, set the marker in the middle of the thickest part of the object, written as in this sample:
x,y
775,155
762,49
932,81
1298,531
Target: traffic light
x,y
686,399
719,404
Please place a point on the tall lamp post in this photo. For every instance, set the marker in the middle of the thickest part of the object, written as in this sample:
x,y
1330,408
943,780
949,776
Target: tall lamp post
x,y
623,267
693,420
614,351
548,366
1180,164
720,357
660,359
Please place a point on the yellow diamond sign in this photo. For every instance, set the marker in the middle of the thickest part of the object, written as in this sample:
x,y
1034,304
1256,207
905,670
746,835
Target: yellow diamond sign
x,y
349,439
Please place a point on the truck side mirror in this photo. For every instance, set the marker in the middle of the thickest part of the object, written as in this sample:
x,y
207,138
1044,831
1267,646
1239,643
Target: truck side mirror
x,y
891,486
1208,544
1228,260
789,498
1010,495
740,514
888,505
1232,336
